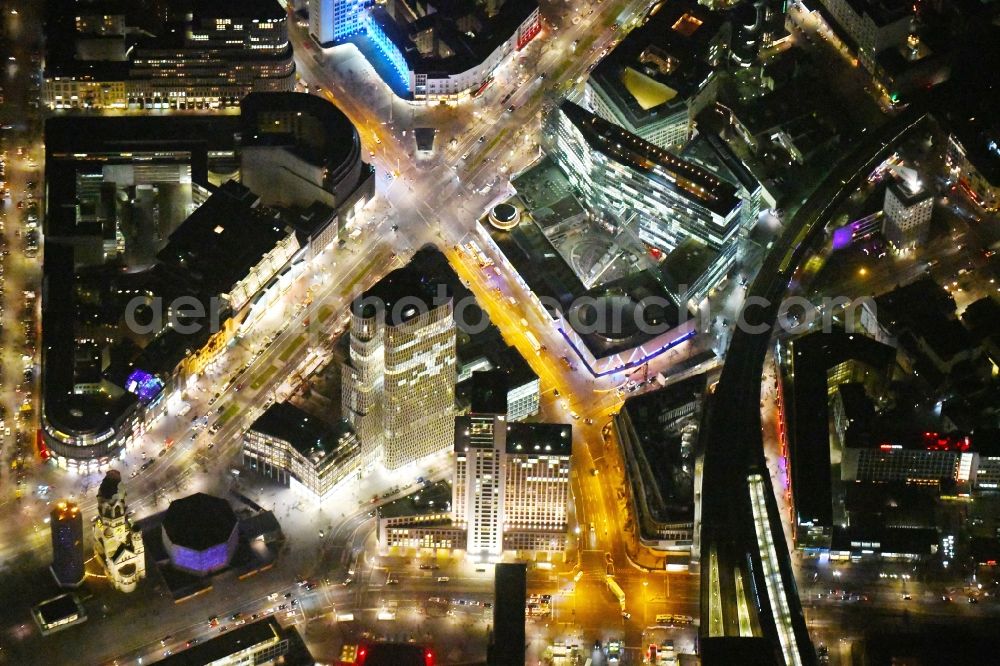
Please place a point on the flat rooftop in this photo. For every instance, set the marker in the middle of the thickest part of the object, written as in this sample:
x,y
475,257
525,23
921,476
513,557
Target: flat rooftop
x,y
150,24
550,439
307,125
307,435
808,413
231,642
470,35
58,608
434,498
658,66
406,292
666,486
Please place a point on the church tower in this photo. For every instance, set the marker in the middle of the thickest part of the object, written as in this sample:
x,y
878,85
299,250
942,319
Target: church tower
x,y
117,544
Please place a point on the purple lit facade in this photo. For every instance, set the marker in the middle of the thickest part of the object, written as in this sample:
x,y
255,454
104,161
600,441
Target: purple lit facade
x,y
859,230
144,385
202,562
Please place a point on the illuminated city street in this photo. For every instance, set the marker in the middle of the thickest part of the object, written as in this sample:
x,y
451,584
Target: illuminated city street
x,y
239,424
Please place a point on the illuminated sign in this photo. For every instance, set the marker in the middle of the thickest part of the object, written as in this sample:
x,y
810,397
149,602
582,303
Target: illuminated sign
x,y
144,385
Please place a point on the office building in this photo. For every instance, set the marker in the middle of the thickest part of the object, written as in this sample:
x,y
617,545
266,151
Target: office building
x,y
437,52
421,521
296,150
480,482
814,369
507,638
537,458
870,26
987,478
921,316
658,436
662,198
118,544
66,525
179,54
510,492
300,451
906,544
662,74
972,155
929,458
907,209
263,642
333,21
200,534
399,384
148,205
488,366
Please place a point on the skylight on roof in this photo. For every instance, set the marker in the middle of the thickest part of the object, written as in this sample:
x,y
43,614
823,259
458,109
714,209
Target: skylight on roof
x,y
687,25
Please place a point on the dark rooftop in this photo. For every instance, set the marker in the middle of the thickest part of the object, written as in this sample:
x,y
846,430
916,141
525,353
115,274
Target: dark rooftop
x,y
199,521
406,292
487,392
899,540
808,414
509,594
151,24
660,456
319,132
435,498
58,608
549,276
235,640
468,47
687,262
307,434
982,318
503,358
927,311
394,654
223,238
551,439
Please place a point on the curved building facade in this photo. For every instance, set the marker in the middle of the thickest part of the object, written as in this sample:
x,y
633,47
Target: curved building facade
x,y
296,149
200,534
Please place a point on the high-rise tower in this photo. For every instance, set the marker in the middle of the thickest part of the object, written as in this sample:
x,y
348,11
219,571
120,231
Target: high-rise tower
x,y
399,389
66,524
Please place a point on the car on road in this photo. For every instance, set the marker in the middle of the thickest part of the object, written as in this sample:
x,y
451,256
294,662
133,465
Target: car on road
x,y
482,139
443,579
